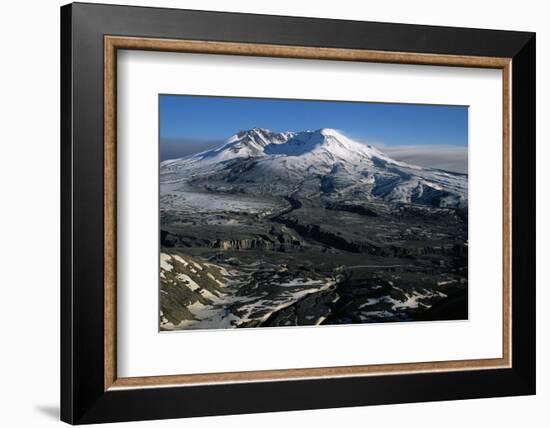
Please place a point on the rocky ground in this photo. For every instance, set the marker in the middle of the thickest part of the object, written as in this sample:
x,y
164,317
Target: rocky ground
x,y
301,262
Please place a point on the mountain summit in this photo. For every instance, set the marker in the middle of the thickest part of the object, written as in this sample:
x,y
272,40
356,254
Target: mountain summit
x,y
315,164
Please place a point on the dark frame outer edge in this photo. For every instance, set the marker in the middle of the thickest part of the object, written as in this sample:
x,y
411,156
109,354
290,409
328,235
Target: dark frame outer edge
x,y
524,215
83,399
66,316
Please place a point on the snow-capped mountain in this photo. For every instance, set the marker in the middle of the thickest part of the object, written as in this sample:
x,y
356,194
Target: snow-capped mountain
x,y
322,163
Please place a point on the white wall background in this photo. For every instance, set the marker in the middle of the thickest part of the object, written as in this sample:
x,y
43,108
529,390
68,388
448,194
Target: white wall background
x,y
29,214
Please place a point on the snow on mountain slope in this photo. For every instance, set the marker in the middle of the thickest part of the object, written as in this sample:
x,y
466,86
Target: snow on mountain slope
x,y
321,163
244,144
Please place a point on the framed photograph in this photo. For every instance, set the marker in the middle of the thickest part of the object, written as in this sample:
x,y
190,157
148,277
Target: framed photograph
x,y
266,213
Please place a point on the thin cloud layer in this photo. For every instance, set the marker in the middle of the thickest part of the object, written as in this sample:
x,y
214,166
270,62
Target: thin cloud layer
x,y
449,158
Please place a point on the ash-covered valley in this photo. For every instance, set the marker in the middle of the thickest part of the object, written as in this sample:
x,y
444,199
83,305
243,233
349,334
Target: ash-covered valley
x,y
308,228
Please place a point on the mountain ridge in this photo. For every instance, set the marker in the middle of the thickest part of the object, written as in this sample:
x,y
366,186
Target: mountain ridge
x,y
321,163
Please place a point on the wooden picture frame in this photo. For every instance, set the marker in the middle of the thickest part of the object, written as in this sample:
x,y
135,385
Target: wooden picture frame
x,y
91,390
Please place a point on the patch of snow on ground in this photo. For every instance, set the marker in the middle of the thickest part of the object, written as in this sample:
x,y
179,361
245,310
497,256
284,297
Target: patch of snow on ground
x,y
165,262
369,302
192,285
411,302
452,281
181,260
296,282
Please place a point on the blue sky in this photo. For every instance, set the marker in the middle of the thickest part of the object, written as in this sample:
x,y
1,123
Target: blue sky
x,y
191,124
